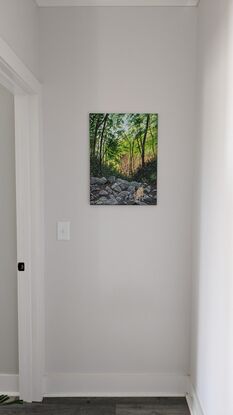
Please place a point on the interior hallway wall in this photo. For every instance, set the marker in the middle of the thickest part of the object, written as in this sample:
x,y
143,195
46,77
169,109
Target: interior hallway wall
x,y
8,258
19,20
212,345
118,294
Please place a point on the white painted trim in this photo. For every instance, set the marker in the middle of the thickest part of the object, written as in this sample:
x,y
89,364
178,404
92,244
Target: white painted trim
x,y
23,209
127,3
13,68
115,384
37,245
30,223
9,384
193,401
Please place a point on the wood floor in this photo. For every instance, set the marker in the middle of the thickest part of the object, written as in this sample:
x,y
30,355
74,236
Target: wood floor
x,y
101,406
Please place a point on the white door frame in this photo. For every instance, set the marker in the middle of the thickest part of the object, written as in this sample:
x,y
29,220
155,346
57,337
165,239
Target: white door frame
x,y
16,77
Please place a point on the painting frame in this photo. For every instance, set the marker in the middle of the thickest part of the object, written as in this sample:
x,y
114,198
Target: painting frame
x,y
123,158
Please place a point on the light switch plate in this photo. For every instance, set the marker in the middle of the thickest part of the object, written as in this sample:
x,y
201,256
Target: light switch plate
x,y
63,231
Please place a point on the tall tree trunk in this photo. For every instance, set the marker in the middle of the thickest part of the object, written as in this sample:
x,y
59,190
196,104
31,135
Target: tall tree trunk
x,y
144,140
101,142
99,122
131,158
95,135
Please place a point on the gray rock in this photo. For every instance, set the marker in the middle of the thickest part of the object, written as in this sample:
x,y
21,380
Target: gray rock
x,y
102,201
111,200
111,179
147,199
123,181
124,184
147,189
108,189
139,202
131,188
98,180
116,187
136,184
103,193
131,201
103,180
123,194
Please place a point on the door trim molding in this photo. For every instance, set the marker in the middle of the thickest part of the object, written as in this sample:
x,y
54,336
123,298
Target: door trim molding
x,y
17,78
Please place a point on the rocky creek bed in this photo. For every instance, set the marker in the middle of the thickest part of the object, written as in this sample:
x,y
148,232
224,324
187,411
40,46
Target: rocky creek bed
x,y
115,191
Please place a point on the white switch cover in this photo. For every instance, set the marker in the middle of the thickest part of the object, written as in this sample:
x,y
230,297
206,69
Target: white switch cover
x,y
63,231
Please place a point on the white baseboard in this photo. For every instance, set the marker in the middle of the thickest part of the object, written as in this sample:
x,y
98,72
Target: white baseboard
x,y
193,401
114,384
9,384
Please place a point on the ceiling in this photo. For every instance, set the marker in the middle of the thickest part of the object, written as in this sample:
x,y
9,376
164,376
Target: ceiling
x,y
57,3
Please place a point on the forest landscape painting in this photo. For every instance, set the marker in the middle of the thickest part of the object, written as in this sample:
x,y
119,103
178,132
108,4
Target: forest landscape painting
x,y
123,158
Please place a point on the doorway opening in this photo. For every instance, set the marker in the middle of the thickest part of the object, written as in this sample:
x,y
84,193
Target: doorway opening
x,y
25,97
8,253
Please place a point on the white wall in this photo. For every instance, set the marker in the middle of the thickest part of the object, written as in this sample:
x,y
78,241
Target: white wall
x,y
212,346
8,274
19,28
118,294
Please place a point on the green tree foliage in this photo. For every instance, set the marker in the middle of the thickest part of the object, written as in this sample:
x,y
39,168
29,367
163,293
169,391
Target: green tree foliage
x,y
124,145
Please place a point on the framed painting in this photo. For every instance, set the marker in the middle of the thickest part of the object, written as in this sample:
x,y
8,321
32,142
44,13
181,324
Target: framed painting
x,y
123,158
